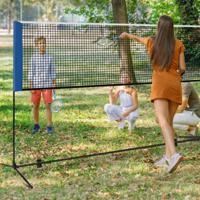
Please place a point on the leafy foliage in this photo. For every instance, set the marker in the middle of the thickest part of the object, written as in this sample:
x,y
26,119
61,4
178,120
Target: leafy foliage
x,y
156,8
189,16
189,11
94,11
139,11
100,11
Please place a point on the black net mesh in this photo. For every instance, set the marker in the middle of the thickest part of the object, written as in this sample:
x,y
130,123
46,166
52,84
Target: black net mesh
x,y
83,55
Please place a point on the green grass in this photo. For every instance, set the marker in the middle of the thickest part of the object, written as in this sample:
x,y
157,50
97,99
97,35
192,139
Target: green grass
x,y
81,128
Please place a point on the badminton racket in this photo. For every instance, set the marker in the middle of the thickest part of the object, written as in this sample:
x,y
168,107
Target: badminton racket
x,y
57,103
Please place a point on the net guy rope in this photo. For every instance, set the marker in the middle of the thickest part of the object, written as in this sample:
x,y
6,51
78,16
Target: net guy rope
x,y
88,55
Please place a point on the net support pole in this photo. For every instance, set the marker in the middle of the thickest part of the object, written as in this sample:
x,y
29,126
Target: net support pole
x,y
20,36
14,134
17,73
14,165
17,56
17,86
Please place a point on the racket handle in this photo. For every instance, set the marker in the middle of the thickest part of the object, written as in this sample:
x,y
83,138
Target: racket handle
x,y
54,94
115,38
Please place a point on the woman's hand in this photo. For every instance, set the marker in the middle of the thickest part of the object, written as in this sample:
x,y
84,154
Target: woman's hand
x,y
121,88
125,114
180,71
111,88
124,35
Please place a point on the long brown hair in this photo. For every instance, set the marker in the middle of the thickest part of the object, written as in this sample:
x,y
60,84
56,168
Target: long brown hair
x,y
163,43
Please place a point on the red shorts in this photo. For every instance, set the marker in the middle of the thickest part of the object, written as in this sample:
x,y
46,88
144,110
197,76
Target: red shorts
x,y
46,94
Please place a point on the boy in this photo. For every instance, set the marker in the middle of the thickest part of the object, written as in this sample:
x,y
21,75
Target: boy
x,y
41,75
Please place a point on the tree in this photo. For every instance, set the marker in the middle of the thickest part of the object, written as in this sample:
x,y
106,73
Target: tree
x,y
156,8
94,11
48,7
110,11
7,8
99,11
120,16
189,12
191,36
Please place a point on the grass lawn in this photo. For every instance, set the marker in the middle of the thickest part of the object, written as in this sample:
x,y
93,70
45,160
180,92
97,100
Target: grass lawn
x,y
81,128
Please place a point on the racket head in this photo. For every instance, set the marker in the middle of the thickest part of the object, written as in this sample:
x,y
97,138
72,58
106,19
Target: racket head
x,y
108,41
105,42
57,103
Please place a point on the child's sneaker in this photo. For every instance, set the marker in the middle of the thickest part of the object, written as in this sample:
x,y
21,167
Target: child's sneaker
x,y
174,161
131,125
121,125
163,162
49,129
36,128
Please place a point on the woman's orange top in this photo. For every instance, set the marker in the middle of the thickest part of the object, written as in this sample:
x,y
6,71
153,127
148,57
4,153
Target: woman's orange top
x,y
166,84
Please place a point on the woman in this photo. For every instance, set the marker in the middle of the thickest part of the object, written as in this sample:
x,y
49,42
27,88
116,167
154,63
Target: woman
x,y
167,58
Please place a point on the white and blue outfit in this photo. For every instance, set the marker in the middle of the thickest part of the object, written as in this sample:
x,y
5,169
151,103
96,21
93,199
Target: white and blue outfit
x,y
114,112
42,71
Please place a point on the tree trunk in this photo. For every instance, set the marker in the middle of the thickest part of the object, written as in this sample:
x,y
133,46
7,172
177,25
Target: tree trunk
x,y
50,10
10,16
120,16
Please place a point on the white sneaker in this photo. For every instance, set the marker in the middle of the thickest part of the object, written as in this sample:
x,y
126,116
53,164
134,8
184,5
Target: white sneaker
x,y
163,162
174,162
131,125
193,132
121,125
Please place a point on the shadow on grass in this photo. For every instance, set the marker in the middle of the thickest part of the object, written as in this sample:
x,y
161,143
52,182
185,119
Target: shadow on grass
x,y
6,75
